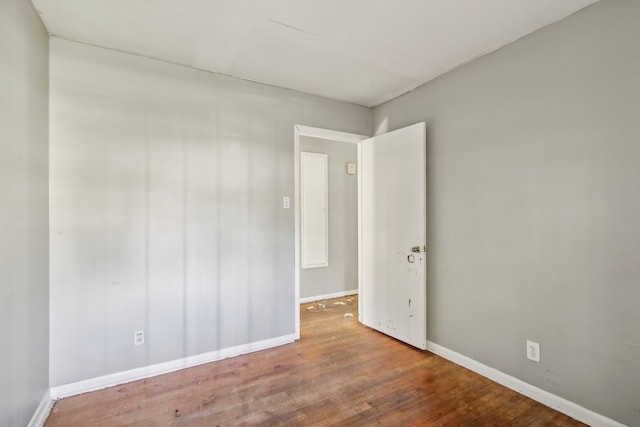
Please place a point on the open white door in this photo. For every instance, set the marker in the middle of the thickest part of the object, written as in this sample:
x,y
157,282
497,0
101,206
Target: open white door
x,y
393,234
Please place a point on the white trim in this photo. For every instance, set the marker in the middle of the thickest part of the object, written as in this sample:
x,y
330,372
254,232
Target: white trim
x,y
163,368
558,403
360,245
297,232
42,411
298,131
329,134
328,296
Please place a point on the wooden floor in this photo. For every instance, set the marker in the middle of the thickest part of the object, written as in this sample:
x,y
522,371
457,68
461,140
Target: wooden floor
x,y
339,373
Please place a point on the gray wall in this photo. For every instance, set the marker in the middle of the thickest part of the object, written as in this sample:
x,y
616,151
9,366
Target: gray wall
x,y
24,236
342,273
166,192
534,208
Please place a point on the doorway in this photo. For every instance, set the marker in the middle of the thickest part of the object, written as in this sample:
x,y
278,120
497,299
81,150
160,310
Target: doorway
x,y
340,276
391,193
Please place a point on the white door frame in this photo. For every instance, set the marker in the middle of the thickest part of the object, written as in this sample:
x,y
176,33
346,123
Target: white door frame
x,y
298,131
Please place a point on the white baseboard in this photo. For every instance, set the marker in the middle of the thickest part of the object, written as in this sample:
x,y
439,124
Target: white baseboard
x,y
42,411
328,296
558,403
105,381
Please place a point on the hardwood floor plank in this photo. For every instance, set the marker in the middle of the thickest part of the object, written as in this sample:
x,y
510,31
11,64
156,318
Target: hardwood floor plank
x,y
340,373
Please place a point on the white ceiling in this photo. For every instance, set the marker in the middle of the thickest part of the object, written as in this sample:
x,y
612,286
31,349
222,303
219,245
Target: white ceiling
x,y
360,51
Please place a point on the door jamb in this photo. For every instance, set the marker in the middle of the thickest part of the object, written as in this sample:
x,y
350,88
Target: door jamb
x,y
298,131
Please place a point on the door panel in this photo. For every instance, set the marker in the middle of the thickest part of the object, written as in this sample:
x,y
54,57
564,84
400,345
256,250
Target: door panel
x,y
393,234
314,199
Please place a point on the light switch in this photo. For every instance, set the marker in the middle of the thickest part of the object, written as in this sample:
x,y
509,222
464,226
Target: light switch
x,y
351,168
286,203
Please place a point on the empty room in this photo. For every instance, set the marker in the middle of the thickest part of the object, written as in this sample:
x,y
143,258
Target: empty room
x,y
279,212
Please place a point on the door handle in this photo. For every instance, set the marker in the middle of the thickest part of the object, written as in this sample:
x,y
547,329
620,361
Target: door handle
x,y
418,249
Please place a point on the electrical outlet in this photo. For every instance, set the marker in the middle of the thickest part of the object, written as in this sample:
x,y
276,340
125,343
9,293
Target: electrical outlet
x,y
286,202
533,351
138,337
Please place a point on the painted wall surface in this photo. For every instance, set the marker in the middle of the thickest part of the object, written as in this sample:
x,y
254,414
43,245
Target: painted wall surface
x,y
24,235
166,209
342,273
534,214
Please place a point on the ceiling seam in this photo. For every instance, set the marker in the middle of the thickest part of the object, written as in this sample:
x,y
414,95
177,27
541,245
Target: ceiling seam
x,y
215,73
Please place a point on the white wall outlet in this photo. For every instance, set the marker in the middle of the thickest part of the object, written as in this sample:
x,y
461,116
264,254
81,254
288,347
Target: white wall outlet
x,y
286,203
138,337
533,351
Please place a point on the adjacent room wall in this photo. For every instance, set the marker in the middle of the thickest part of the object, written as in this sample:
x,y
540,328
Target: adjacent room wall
x,y
166,209
533,224
342,273
24,235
